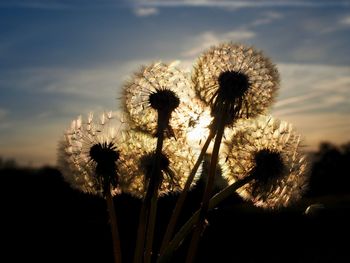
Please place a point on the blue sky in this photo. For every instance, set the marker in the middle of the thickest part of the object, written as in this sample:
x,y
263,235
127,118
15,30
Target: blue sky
x,y
60,59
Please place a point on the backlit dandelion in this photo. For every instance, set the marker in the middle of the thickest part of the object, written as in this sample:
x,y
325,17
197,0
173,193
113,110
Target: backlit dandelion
x,y
88,161
89,152
269,151
137,158
160,89
237,78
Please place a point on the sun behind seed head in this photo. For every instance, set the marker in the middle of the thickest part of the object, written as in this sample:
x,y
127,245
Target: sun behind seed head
x,y
237,76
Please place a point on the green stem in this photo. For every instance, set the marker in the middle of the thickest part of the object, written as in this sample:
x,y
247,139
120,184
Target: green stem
x,y
177,210
190,224
114,227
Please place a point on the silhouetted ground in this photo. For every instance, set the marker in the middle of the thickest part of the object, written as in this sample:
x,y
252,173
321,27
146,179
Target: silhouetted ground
x,y
44,220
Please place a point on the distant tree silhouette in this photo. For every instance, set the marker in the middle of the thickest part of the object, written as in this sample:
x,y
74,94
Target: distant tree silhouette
x,y
330,170
7,163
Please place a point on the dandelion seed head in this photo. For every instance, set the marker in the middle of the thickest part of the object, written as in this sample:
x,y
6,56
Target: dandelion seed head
x,y
237,75
147,162
103,152
88,154
270,151
268,165
136,161
164,100
232,85
156,88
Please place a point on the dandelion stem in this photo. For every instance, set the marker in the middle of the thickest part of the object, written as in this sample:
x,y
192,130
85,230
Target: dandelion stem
x,y
208,189
154,197
147,218
149,206
141,232
177,210
190,224
114,227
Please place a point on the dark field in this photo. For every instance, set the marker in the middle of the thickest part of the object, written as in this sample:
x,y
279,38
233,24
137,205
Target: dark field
x,y
44,220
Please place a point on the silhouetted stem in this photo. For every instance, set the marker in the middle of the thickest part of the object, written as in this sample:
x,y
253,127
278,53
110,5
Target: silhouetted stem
x,y
149,205
190,224
192,250
141,231
208,190
114,227
181,199
154,198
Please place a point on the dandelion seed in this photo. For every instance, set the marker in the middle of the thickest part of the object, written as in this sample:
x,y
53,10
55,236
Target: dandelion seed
x,y
236,77
89,152
137,158
269,150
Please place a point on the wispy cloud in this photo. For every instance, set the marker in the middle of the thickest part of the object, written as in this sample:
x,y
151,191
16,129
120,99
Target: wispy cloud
x,y
95,83
206,39
345,20
146,11
230,5
267,18
241,4
315,99
197,43
314,88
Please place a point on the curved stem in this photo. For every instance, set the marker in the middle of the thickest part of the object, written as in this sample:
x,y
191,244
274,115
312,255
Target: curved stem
x,y
181,199
189,225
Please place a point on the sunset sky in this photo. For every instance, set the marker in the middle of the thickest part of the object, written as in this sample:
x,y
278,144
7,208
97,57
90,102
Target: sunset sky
x,y
63,58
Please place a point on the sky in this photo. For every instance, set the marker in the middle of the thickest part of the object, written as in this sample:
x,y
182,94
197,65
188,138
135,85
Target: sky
x,y
60,59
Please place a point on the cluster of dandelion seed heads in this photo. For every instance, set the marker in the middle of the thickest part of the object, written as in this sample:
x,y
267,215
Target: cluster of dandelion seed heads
x,y
230,82
160,87
254,79
85,143
136,160
272,145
